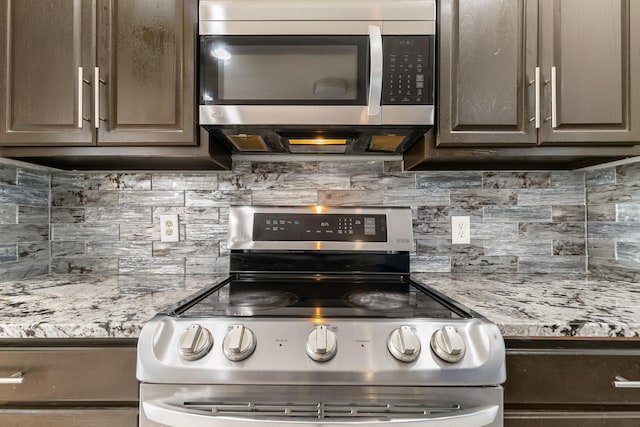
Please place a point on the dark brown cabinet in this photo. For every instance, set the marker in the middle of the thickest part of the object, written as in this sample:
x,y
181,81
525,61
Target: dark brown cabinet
x,y
544,72
97,72
570,383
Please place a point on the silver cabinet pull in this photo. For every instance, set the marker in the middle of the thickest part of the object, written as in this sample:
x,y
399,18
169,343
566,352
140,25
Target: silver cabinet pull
x,y
18,377
554,98
375,79
537,95
80,97
621,382
96,97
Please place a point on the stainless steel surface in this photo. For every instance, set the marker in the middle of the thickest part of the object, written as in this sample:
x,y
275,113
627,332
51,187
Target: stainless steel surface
x,y
404,344
621,382
239,343
210,406
537,97
96,97
399,236
69,417
448,344
313,26
554,97
80,96
322,344
375,75
195,343
17,378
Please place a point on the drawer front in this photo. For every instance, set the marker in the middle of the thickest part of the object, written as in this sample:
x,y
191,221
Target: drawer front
x,y
546,378
74,374
569,419
127,417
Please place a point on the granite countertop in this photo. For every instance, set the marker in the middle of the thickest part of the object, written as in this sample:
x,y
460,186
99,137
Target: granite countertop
x,y
80,306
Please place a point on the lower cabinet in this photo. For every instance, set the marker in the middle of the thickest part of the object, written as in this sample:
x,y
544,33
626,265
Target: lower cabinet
x,y
572,382
72,383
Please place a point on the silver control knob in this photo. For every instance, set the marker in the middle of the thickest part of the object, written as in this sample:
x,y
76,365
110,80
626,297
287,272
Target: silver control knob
x,y
404,344
322,344
195,343
448,344
239,343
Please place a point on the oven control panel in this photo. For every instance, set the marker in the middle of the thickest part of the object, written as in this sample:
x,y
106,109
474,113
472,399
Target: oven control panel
x,y
319,227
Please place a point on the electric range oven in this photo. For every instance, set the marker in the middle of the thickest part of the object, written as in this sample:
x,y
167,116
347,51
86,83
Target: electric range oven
x,y
320,323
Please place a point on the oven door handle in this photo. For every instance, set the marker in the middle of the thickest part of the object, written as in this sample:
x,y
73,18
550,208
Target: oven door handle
x,y
171,416
375,76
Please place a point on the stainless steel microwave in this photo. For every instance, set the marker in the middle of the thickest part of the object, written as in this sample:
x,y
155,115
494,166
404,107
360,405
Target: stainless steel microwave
x,y
316,62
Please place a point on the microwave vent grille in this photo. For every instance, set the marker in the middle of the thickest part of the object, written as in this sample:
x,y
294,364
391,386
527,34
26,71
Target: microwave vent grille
x,y
385,142
244,142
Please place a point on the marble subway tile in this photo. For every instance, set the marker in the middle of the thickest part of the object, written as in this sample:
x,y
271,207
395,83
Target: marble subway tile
x,y
317,181
118,215
33,214
444,246
206,232
397,181
236,182
117,181
83,198
8,213
391,166
569,247
432,230
8,174
151,198
91,265
555,231
190,214
601,213
416,198
68,249
568,179
600,177
475,213
517,247
482,197
31,178
223,215
23,270
614,269
432,214
67,181
217,198
373,166
629,252
484,264
494,231
628,173
161,265
122,248
82,231
186,249
516,180
33,251
448,180
620,193
517,213
213,265
8,253
285,198
624,231
351,197
11,194
552,264
551,197
141,232
277,167
240,167
67,215
184,181
601,248
430,264
627,212
17,233
568,213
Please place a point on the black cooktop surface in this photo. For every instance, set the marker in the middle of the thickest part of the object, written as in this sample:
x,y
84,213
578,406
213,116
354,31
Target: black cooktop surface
x,y
365,296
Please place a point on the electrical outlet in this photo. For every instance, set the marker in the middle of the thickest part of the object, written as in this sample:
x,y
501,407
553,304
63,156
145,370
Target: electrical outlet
x,y
169,228
460,230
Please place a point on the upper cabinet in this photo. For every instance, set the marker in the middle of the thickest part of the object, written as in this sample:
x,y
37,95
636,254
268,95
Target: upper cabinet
x,y
529,72
105,72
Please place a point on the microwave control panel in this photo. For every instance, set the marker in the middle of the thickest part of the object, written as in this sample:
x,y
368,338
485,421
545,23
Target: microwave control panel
x,y
408,70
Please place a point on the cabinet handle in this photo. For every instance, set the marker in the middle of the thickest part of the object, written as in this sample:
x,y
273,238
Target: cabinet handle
x,y
96,97
80,97
375,78
17,378
554,98
621,382
536,119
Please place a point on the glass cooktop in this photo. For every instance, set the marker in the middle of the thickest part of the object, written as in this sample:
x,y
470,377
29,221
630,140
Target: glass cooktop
x,y
320,296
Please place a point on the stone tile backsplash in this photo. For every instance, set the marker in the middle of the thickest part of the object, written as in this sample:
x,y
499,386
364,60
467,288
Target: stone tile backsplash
x,y
521,222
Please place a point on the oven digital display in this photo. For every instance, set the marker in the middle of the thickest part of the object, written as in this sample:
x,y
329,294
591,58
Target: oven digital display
x,y
319,227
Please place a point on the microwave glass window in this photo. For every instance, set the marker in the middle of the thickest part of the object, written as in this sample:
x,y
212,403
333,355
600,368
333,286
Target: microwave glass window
x,y
305,70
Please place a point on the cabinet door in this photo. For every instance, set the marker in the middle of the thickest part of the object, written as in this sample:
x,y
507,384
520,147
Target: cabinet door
x,y
594,48
43,44
488,57
146,62
35,417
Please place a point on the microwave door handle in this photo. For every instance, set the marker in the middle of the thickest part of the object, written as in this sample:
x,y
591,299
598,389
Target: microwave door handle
x,y
375,77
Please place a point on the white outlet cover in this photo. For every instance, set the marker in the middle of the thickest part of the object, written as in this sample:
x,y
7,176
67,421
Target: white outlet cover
x,y
460,230
169,228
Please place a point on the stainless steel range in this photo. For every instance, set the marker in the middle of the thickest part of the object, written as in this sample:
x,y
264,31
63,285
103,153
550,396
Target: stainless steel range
x,y
320,324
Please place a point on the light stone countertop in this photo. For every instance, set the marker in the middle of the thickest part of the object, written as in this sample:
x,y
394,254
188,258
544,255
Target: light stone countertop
x,y
522,305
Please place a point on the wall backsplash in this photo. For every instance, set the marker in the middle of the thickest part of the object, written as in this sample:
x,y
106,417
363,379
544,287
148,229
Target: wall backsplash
x,y
525,222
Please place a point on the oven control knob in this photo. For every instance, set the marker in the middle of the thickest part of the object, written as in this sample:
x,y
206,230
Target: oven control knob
x,y
195,343
322,344
239,343
404,344
448,344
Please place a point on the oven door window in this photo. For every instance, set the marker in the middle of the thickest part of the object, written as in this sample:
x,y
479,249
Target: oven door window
x,y
286,70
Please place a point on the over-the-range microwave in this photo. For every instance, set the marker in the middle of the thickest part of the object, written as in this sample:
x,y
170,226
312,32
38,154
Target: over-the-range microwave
x,y
351,75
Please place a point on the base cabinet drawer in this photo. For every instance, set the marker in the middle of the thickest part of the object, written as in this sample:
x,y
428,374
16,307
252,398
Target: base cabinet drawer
x,y
125,417
571,419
